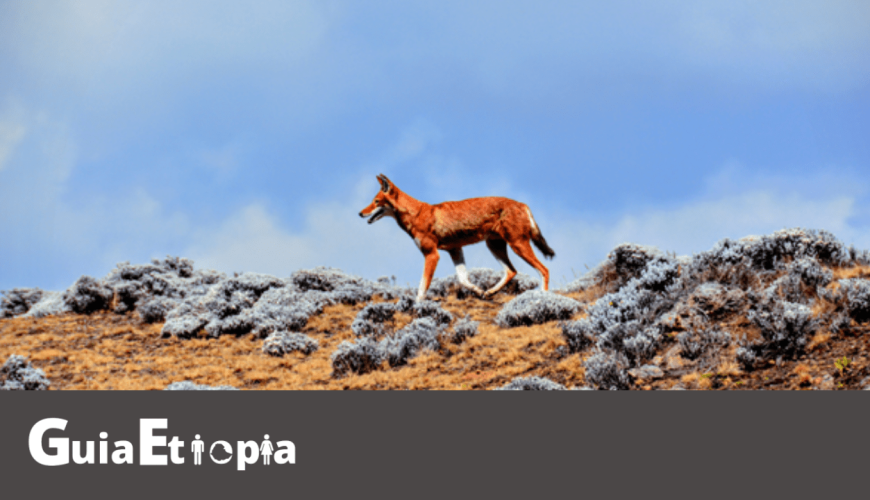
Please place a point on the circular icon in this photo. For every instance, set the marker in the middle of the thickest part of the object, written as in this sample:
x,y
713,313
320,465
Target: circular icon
x,y
228,452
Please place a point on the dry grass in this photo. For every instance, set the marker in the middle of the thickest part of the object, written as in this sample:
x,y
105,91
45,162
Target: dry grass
x,y
851,272
109,351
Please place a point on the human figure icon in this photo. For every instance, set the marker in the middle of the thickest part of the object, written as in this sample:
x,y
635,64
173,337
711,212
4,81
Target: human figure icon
x,y
266,449
198,447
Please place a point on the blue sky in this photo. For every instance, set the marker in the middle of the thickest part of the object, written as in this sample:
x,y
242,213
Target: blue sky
x,y
248,136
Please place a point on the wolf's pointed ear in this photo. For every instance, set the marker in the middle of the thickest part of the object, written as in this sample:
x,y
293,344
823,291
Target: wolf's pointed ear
x,y
386,184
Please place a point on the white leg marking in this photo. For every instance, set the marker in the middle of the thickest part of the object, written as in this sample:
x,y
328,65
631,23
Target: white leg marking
x,y
421,292
503,279
532,220
461,273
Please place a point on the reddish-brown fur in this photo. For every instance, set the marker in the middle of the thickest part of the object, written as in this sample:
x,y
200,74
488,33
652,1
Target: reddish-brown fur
x,y
451,225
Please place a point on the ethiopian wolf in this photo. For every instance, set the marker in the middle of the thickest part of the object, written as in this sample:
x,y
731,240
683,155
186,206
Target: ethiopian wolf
x,y
453,224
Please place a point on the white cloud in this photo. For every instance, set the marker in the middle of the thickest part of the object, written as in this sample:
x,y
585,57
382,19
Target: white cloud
x,y
254,239
535,48
46,226
41,222
324,54
735,204
81,40
804,43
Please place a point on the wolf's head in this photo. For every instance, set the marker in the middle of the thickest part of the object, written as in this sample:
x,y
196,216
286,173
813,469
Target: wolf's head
x,y
384,202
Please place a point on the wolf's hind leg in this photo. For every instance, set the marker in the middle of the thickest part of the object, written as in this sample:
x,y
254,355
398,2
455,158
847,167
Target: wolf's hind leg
x,y
499,251
524,249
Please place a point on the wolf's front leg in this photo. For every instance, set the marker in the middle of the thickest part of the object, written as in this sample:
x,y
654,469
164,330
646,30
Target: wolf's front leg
x,y
428,271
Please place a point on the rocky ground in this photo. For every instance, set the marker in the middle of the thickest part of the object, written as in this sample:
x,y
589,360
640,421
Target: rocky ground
x,y
788,310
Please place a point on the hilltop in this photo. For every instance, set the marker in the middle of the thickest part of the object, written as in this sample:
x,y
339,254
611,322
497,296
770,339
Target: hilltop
x,y
788,310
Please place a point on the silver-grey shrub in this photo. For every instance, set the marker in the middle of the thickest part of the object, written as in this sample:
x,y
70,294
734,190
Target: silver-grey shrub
x,y
88,295
239,305
51,303
187,385
18,301
531,383
431,309
370,320
629,260
172,278
695,343
607,370
802,279
715,301
17,374
360,356
772,251
280,343
856,296
578,334
615,318
344,288
742,262
625,262
156,308
463,329
367,353
420,334
185,320
785,327
535,307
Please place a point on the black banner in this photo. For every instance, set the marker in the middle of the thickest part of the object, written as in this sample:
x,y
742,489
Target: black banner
x,y
437,445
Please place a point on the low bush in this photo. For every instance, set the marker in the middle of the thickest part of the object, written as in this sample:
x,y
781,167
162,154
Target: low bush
x,y
607,370
535,307
785,327
531,383
430,309
280,343
155,309
18,301
367,353
88,295
360,356
17,374
370,320
715,301
463,329
856,297
578,334
695,343
187,385
421,334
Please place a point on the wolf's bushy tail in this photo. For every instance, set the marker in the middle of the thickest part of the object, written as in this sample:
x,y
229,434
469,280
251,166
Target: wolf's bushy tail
x,y
541,243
